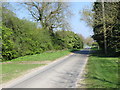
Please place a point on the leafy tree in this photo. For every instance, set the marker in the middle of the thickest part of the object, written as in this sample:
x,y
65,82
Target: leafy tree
x,y
21,37
89,41
68,39
7,43
112,25
94,18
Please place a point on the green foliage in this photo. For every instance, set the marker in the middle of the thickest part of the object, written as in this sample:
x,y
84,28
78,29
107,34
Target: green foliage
x,y
7,43
95,45
22,37
68,39
27,43
112,21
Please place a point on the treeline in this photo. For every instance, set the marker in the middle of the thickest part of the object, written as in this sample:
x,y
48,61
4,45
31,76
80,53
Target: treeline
x,y
112,25
21,37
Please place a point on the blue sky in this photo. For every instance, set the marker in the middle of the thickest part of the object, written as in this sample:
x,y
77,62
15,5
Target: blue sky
x,y
77,25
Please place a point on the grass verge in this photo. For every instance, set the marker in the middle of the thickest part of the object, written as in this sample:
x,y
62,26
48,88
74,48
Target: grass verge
x,y
14,68
101,71
50,56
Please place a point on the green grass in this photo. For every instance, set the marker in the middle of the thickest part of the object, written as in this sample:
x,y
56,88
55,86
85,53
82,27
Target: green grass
x,y
102,71
43,56
12,69
0,73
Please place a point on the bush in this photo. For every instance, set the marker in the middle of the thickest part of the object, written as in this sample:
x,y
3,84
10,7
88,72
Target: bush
x,y
22,37
7,43
68,39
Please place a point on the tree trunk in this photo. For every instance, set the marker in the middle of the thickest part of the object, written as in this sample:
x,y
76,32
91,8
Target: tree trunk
x,y
104,27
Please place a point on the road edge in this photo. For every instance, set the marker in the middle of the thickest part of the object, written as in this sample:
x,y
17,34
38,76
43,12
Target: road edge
x,y
31,72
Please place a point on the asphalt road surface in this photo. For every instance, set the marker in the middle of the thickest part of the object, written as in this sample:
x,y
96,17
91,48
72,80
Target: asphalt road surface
x,y
60,74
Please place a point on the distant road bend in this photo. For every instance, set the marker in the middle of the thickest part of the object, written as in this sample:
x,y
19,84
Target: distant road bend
x,y
59,74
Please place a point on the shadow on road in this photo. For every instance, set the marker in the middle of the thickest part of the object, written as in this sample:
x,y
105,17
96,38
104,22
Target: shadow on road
x,y
86,51
98,53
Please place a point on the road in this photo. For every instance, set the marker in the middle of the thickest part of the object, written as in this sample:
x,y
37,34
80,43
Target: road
x,y
63,73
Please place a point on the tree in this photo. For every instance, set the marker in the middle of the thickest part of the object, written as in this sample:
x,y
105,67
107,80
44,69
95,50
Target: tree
x,y
87,16
111,20
19,37
105,24
51,15
68,39
104,27
89,41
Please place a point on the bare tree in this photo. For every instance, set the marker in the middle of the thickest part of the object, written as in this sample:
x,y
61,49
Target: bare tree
x,y
87,16
51,15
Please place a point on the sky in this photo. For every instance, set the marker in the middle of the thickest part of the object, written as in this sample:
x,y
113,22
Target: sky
x,y
79,26
76,24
